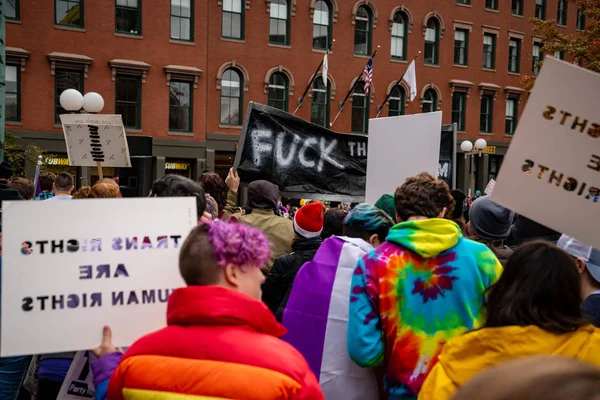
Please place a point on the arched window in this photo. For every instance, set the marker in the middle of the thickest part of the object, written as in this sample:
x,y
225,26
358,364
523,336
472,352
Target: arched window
x,y
278,91
360,109
322,25
430,101
233,19
319,107
432,42
232,85
399,36
362,31
396,101
279,22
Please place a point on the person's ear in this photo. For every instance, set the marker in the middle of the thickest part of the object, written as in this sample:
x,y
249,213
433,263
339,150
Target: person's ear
x,y
443,213
581,268
374,240
232,275
54,187
468,229
398,219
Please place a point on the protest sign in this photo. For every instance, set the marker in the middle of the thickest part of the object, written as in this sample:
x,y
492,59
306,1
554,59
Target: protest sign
x,y
400,147
551,172
95,138
303,159
79,383
71,267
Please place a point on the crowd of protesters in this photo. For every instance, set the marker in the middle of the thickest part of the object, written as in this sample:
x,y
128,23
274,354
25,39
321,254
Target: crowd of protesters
x,y
426,294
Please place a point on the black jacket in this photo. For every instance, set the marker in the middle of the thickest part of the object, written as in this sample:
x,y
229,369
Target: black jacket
x,y
281,276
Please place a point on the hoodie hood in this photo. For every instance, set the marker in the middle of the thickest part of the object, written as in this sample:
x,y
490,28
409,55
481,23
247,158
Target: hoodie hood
x,y
466,355
426,237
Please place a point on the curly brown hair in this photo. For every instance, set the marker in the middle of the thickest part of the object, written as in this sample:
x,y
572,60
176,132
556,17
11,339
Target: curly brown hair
x,y
82,193
213,184
423,196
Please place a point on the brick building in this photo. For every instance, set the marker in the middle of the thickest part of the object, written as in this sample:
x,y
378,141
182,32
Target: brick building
x,y
184,73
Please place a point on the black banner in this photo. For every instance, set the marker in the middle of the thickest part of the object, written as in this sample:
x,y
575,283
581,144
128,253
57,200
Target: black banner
x,y
305,160
308,161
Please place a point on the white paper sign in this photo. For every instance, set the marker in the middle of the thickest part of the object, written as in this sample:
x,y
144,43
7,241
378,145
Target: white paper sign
x,y
79,383
94,262
551,171
93,138
400,147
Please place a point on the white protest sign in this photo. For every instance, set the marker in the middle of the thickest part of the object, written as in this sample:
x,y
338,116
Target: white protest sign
x,y
490,187
551,172
79,383
93,262
400,147
93,138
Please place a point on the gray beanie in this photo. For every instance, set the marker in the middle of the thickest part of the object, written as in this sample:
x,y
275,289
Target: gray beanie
x,y
489,220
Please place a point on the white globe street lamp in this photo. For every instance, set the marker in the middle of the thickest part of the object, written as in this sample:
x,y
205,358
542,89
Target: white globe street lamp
x,y
480,144
466,146
470,150
93,102
71,100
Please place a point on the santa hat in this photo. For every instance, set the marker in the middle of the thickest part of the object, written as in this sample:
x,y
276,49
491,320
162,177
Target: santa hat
x,y
308,221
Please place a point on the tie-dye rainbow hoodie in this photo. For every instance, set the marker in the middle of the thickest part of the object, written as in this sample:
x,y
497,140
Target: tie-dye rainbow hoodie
x,y
426,284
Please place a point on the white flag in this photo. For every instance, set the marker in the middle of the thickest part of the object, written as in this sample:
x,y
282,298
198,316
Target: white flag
x,y
411,78
324,70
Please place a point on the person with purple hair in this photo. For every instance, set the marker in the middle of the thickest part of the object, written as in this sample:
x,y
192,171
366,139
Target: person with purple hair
x,y
221,341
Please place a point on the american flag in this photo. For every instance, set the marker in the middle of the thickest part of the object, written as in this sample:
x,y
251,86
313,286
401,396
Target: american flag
x,y
368,76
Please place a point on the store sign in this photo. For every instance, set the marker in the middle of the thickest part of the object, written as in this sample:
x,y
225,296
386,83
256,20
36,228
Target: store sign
x,y
177,166
56,161
489,150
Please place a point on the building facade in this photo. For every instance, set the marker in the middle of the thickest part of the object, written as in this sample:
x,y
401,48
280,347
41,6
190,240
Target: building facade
x,y
183,71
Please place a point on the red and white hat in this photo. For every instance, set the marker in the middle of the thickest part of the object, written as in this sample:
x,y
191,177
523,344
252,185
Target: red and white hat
x,y
308,221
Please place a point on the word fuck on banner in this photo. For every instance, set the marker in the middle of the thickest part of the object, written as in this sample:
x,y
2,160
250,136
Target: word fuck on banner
x,y
104,262
551,172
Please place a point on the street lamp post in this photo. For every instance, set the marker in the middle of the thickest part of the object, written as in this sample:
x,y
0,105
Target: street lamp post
x,y
471,150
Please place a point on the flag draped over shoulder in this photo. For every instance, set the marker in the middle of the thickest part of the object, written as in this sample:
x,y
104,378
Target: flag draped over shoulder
x,y
316,318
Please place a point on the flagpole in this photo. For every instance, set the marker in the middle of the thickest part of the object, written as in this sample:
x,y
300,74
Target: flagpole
x,y
380,107
343,103
301,99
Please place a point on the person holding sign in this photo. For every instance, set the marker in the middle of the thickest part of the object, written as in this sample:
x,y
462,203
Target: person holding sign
x,y
221,341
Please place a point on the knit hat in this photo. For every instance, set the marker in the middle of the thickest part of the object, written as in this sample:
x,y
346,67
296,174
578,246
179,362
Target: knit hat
x,y
386,203
308,221
489,220
6,170
262,195
459,198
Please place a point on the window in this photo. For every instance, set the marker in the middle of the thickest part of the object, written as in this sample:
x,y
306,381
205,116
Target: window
x,y
514,55
517,7
430,101
128,17
559,54
65,79
319,107
561,12
459,110
128,100
231,97
362,31
580,19
279,30
360,109
486,117
322,26
511,116
180,106
467,2
489,51
13,93
399,36
11,9
68,12
461,47
536,58
182,20
491,4
396,102
233,19
540,9
278,91
432,41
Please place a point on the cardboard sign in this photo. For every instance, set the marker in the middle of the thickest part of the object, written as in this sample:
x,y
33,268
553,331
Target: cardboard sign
x,y
79,383
71,267
400,147
551,172
93,138
490,187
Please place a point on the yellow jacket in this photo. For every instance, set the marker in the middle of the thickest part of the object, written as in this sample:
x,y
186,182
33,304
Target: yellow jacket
x,y
465,356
